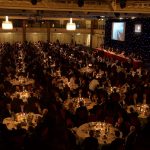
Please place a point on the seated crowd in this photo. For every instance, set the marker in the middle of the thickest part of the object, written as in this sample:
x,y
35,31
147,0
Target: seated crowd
x,y
55,68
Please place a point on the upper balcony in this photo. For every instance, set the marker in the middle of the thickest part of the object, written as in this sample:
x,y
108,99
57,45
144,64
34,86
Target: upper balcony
x,y
23,9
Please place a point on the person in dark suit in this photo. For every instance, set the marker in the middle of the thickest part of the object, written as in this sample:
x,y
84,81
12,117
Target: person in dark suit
x,y
122,125
32,106
6,111
81,114
98,109
90,143
131,139
118,143
16,104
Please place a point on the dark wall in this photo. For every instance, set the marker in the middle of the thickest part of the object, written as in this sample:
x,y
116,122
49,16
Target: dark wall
x,y
134,42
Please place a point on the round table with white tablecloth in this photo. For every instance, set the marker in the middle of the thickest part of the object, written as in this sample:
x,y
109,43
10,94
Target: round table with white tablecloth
x,y
24,95
24,120
21,81
104,132
87,70
120,90
75,101
143,111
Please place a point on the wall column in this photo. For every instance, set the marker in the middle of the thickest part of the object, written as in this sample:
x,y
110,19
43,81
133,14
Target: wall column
x,y
91,33
24,31
48,32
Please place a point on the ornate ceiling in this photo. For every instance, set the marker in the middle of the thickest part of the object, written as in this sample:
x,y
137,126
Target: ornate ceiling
x,y
50,9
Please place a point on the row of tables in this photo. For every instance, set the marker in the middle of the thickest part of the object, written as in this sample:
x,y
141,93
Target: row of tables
x,y
22,120
143,110
121,57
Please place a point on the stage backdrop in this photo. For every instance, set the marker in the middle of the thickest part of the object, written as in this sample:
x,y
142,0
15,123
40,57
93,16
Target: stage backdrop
x,y
134,41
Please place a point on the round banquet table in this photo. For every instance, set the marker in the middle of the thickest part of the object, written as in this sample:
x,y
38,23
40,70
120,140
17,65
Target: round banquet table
x,y
75,101
104,132
24,95
22,119
86,69
143,111
21,81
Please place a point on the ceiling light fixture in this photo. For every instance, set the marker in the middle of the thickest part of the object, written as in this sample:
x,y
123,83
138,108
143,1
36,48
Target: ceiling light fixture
x,y
70,25
7,25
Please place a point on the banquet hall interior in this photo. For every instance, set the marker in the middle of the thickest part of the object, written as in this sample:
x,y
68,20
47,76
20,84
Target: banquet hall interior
x,y
74,74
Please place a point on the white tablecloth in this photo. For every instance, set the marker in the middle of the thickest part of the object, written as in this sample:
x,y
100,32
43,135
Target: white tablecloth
x,y
23,119
105,133
86,69
143,110
24,95
21,81
75,101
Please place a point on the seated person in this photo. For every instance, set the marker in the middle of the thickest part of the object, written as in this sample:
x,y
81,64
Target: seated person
x,y
118,143
132,99
32,106
71,108
81,114
115,96
73,83
134,120
145,99
6,111
94,98
57,97
122,102
101,104
122,126
18,89
93,85
8,108
90,143
16,104
70,113
81,94
131,139
135,98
